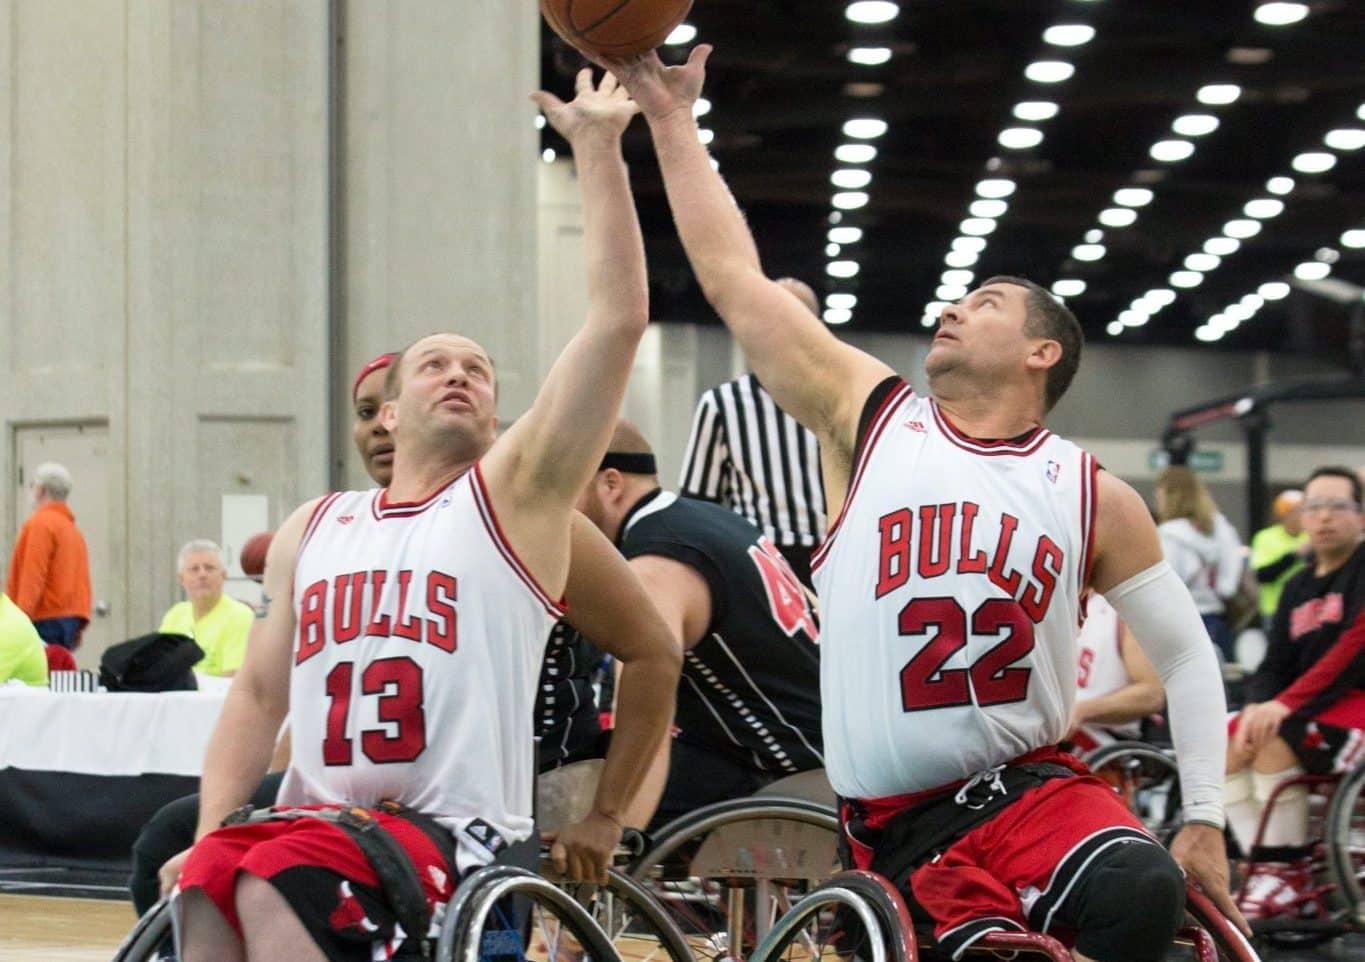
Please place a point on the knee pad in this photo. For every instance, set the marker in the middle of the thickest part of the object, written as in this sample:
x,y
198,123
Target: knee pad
x,y
1129,904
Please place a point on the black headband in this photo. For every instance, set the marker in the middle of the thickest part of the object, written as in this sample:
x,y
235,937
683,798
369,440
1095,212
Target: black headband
x,y
629,463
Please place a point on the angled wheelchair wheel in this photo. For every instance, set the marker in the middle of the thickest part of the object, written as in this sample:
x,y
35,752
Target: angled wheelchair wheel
x,y
507,914
1210,935
636,925
150,938
726,872
853,915
1147,779
1345,833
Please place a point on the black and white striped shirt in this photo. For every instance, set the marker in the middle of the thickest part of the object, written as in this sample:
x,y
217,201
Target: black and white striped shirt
x,y
749,455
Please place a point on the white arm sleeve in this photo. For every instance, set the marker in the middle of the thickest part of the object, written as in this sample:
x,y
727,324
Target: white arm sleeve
x,y
1161,614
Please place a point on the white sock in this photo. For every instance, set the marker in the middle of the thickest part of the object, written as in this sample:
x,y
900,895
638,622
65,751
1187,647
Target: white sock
x,y
1287,823
1242,809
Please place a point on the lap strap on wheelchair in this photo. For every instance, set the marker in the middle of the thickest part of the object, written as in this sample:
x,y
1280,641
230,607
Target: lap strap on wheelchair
x,y
925,831
398,877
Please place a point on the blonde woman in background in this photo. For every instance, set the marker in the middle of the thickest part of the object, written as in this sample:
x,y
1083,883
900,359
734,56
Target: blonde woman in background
x,y
1202,546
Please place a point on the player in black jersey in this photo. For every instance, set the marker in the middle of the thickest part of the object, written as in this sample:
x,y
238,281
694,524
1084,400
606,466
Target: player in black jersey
x,y
1306,708
749,697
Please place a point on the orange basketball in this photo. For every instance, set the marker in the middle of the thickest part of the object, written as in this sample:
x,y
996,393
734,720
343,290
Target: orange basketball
x,y
253,554
614,28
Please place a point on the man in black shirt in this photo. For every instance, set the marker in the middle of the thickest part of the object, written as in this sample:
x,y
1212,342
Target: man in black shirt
x,y
1306,701
749,697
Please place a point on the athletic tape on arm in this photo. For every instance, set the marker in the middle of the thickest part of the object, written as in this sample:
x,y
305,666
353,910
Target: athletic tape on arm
x,y
1161,614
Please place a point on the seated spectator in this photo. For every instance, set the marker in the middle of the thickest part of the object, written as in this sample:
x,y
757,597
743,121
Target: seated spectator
x,y
23,656
1278,551
1306,701
218,624
1117,685
1202,547
49,572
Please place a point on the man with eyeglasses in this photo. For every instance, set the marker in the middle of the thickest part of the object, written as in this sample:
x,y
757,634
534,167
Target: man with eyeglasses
x,y
1306,701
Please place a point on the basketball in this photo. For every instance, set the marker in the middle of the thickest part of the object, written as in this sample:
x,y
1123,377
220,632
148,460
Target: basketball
x,y
614,28
253,554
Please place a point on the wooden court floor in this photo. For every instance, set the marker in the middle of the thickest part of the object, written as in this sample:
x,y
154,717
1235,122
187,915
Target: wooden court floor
x,y
45,929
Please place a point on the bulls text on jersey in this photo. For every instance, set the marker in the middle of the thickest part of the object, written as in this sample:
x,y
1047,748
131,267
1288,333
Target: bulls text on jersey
x,y
430,618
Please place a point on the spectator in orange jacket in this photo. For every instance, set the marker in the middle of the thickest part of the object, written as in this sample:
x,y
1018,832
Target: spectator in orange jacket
x,y
49,572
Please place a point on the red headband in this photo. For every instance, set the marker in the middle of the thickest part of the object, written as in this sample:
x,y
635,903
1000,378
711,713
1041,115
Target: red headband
x,y
378,364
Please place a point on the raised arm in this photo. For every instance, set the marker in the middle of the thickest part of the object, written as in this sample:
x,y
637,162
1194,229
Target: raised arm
x,y
547,457
818,379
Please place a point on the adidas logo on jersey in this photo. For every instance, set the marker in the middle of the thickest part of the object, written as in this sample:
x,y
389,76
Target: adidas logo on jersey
x,y
345,519
917,426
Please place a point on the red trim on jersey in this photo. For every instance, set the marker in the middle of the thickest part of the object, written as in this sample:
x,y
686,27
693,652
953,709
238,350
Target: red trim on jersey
x,y
989,449
1090,500
879,423
314,520
382,509
509,554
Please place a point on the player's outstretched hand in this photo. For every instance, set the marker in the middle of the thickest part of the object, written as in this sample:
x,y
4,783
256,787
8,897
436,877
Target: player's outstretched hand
x,y
661,90
602,109
169,873
582,851
1202,853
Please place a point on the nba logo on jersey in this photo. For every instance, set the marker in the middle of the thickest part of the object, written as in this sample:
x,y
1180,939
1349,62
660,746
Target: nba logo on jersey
x,y
1054,471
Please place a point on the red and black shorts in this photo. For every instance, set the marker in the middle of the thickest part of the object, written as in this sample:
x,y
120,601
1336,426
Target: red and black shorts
x,y
1331,741
322,874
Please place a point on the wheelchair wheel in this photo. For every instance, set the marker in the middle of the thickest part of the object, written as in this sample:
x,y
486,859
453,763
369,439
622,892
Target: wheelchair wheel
x,y
726,872
1222,936
501,913
637,926
150,936
1148,781
853,915
1346,843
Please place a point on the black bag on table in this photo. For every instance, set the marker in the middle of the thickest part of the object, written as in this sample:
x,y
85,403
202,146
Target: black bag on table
x,y
155,662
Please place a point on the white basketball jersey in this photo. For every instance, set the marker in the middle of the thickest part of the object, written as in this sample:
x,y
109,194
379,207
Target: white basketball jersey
x,y
419,644
1099,664
949,594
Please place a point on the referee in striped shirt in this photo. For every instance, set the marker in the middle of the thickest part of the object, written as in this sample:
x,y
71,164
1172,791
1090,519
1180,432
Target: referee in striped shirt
x,y
749,455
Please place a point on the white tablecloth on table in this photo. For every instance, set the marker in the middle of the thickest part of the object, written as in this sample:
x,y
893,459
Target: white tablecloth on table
x,y
109,733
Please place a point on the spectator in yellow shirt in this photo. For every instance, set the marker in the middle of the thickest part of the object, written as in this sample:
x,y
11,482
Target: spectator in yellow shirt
x,y
23,656
218,624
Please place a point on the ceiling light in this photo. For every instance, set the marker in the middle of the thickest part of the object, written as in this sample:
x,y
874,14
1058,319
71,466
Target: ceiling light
x,y
977,226
935,308
872,11
1241,228
1069,287
974,244
844,302
1049,71
855,153
682,33
1113,329
548,155
1195,125
1132,318
1327,255
1094,236
1360,111
1313,162
1347,138
864,128
1221,323
1280,185
1280,14
540,121
988,208
845,235
1312,271
706,135
1203,263
1117,216
850,178
1263,208
950,292
955,278
1169,151
838,315
1088,252
842,268
1160,296
1274,290
1353,238
1035,110
1208,334
869,56
961,258
1237,313
1217,95
995,188
850,200
1221,246
1069,34
1253,302
701,108
1186,279
832,250
1020,138
1133,197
